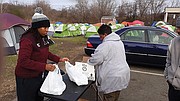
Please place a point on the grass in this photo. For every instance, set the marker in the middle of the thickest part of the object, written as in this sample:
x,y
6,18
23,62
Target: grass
x,y
77,39
9,66
61,44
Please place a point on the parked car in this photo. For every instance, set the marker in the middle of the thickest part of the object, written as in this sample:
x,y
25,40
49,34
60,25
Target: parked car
x,y
143,44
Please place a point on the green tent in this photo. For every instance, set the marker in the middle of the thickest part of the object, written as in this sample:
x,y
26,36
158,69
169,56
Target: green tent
x,y
61,31
91,31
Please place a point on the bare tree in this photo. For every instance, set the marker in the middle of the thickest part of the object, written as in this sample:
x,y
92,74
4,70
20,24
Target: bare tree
x,y
101,8
91,12
121,10
143,6
127,11
156,7
4,6
82,10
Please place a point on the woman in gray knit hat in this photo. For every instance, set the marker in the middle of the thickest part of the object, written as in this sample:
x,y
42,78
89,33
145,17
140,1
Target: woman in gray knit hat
x,y
32,58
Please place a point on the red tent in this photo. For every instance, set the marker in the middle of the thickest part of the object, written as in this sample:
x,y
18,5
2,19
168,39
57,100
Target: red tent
x,y
135,22
9,20
138,22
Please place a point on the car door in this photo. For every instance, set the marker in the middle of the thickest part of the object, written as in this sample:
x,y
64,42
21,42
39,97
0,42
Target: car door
x,y
157,46
135,45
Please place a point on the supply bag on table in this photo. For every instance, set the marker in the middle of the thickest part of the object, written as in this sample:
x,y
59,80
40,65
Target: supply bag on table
x,y
75,75
86,69
53,83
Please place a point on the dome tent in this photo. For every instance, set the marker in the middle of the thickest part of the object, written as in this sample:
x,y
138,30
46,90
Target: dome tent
x,y
12,27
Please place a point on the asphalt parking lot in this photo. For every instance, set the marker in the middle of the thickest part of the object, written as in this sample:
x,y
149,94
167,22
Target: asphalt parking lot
x,y
146,84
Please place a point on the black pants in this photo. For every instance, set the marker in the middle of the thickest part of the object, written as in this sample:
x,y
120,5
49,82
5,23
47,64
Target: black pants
x,y
173,94
27,88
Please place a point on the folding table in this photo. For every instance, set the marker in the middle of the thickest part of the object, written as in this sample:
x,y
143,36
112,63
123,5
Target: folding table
x,y
71,93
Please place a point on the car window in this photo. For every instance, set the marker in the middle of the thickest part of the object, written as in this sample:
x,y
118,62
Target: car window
x,y
159,37
134,35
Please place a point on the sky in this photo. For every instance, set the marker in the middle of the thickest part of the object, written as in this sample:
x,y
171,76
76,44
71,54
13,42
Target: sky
x,y
55,4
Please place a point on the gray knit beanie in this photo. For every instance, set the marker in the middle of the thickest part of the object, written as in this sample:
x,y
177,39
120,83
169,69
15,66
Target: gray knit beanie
x,y
178,22
39,19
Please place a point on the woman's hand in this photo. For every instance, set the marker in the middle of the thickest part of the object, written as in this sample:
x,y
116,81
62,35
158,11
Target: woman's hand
x,y
63,59
50,67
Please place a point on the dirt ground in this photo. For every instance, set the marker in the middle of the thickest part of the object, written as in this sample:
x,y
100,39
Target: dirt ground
x,y
73,51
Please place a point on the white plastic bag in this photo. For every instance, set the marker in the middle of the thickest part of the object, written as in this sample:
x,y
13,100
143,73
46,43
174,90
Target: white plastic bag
x,y
53,84
75,75
86,69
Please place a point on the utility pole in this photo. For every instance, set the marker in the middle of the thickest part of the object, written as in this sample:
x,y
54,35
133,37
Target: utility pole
x,y
1,6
